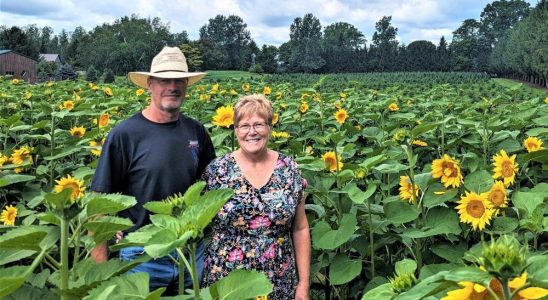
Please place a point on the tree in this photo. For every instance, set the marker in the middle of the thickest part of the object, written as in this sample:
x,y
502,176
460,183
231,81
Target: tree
x,y
228,36
385,45
65,72
466,47
193,56
500,16
305,37
340,43
108,76
267,59
92,74
421,56
443,56
16,40
72,55
45,39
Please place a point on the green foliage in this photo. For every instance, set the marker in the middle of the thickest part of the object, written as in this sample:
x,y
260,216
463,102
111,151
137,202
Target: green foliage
x,y
92,74
65,72
108,76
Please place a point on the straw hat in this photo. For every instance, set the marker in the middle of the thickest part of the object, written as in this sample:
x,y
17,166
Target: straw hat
x,y
169,63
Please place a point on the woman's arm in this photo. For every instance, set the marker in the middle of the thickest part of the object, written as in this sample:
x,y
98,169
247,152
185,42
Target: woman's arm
x,y
301,242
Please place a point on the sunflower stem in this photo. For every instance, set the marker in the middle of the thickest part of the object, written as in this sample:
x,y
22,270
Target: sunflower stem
x,y
371,236
505,288
64,271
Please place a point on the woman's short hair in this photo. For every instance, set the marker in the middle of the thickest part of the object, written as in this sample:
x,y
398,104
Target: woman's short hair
x,y
253,104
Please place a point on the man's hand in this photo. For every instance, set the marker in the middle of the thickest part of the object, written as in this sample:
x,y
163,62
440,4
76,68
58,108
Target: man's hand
x,y
100,253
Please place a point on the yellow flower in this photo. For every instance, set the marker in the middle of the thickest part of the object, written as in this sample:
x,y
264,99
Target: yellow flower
x,y
406,190
280,134
224,116
546,100
265,297
8,215
78,131
304,107
337,104
245,87
233,92
15,81
205,97
419,143
68,105
309,150
103,120
200,88
505,167
275,118
50,83
497,196
304,97
95,87
532,144
527,293
341,115
279,95
393,107
214,89
316,97
330,161
448,169
3,159
28,95
342,95
266,90
76,185
139,92
107,91
21,155
475,209
96,144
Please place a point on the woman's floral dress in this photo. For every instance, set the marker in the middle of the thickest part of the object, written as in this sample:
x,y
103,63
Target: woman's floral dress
x,y
253,229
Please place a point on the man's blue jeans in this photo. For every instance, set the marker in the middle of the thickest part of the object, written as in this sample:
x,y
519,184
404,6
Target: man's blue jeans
x,y
163,272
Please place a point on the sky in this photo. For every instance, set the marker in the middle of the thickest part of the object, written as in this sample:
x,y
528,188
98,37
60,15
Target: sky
x,y
268,21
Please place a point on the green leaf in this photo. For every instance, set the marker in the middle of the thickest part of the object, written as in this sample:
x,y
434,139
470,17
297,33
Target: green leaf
x,y
323,237
8,179
60,200
399,212
382,292
479,181
192,194
343,269
356,194
104,228
439,220
11,255
66,152
390,168
526,202
166,241
406,266
132,286
23,238
166,222
109,204
450,252
472,274
503,225
242,284
12,278
425,127
537,271
431,199
159,207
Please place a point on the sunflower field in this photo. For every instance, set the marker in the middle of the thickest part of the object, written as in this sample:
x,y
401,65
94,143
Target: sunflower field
x,y
420,186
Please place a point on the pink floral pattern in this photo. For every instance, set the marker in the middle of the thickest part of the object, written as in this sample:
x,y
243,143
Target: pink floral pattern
x,y
253,229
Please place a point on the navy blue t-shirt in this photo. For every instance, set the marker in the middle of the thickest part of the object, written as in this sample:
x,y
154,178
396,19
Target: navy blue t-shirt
x,y
152,161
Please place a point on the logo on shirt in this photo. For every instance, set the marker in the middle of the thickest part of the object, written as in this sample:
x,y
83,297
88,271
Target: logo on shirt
x,y
194,150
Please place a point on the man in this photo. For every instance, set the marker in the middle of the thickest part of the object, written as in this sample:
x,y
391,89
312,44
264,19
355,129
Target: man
x,y
155,154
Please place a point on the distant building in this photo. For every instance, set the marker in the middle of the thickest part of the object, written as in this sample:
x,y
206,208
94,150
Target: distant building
x,y
17,65
51,57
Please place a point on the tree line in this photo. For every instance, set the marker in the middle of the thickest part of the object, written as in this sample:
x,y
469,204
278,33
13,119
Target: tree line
x,y
507,40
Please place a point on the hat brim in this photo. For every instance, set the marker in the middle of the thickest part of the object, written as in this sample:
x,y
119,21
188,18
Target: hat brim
x,y
141,78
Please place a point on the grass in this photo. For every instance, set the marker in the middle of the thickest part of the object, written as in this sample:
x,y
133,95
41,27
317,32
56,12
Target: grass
x,y
510,83
225,75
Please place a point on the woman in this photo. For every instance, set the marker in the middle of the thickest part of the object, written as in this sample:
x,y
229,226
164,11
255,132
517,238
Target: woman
x,y
263,226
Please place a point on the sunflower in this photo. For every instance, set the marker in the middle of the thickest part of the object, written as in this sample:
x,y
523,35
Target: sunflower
x,y
224,116
139,92
330,161
342,95
532,144
205,97
505,167
341,115
15,81
103,120
233,92
245,87
76,185
275,118
77,131
448,169
21,155
266,90
214,89
96,144
8,215
95,87
406,190
473,291
108,91
393,107
527,293
280,134
475,209
497,196
419,143
68,105
304,107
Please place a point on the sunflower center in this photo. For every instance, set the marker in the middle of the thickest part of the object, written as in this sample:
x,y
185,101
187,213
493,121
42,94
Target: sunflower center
x,y
330,162
532,146
507,169
475,208
496,197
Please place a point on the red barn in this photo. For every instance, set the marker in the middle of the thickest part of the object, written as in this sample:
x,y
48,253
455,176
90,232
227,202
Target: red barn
x,y
17,65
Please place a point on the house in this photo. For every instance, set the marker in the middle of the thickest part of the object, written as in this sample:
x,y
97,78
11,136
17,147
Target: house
x,y
51,57
17,65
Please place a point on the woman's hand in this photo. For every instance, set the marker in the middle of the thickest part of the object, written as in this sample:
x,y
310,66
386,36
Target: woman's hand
x,y
301,292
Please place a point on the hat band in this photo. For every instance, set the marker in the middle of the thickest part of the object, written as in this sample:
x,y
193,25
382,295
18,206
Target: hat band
x,y
169,71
